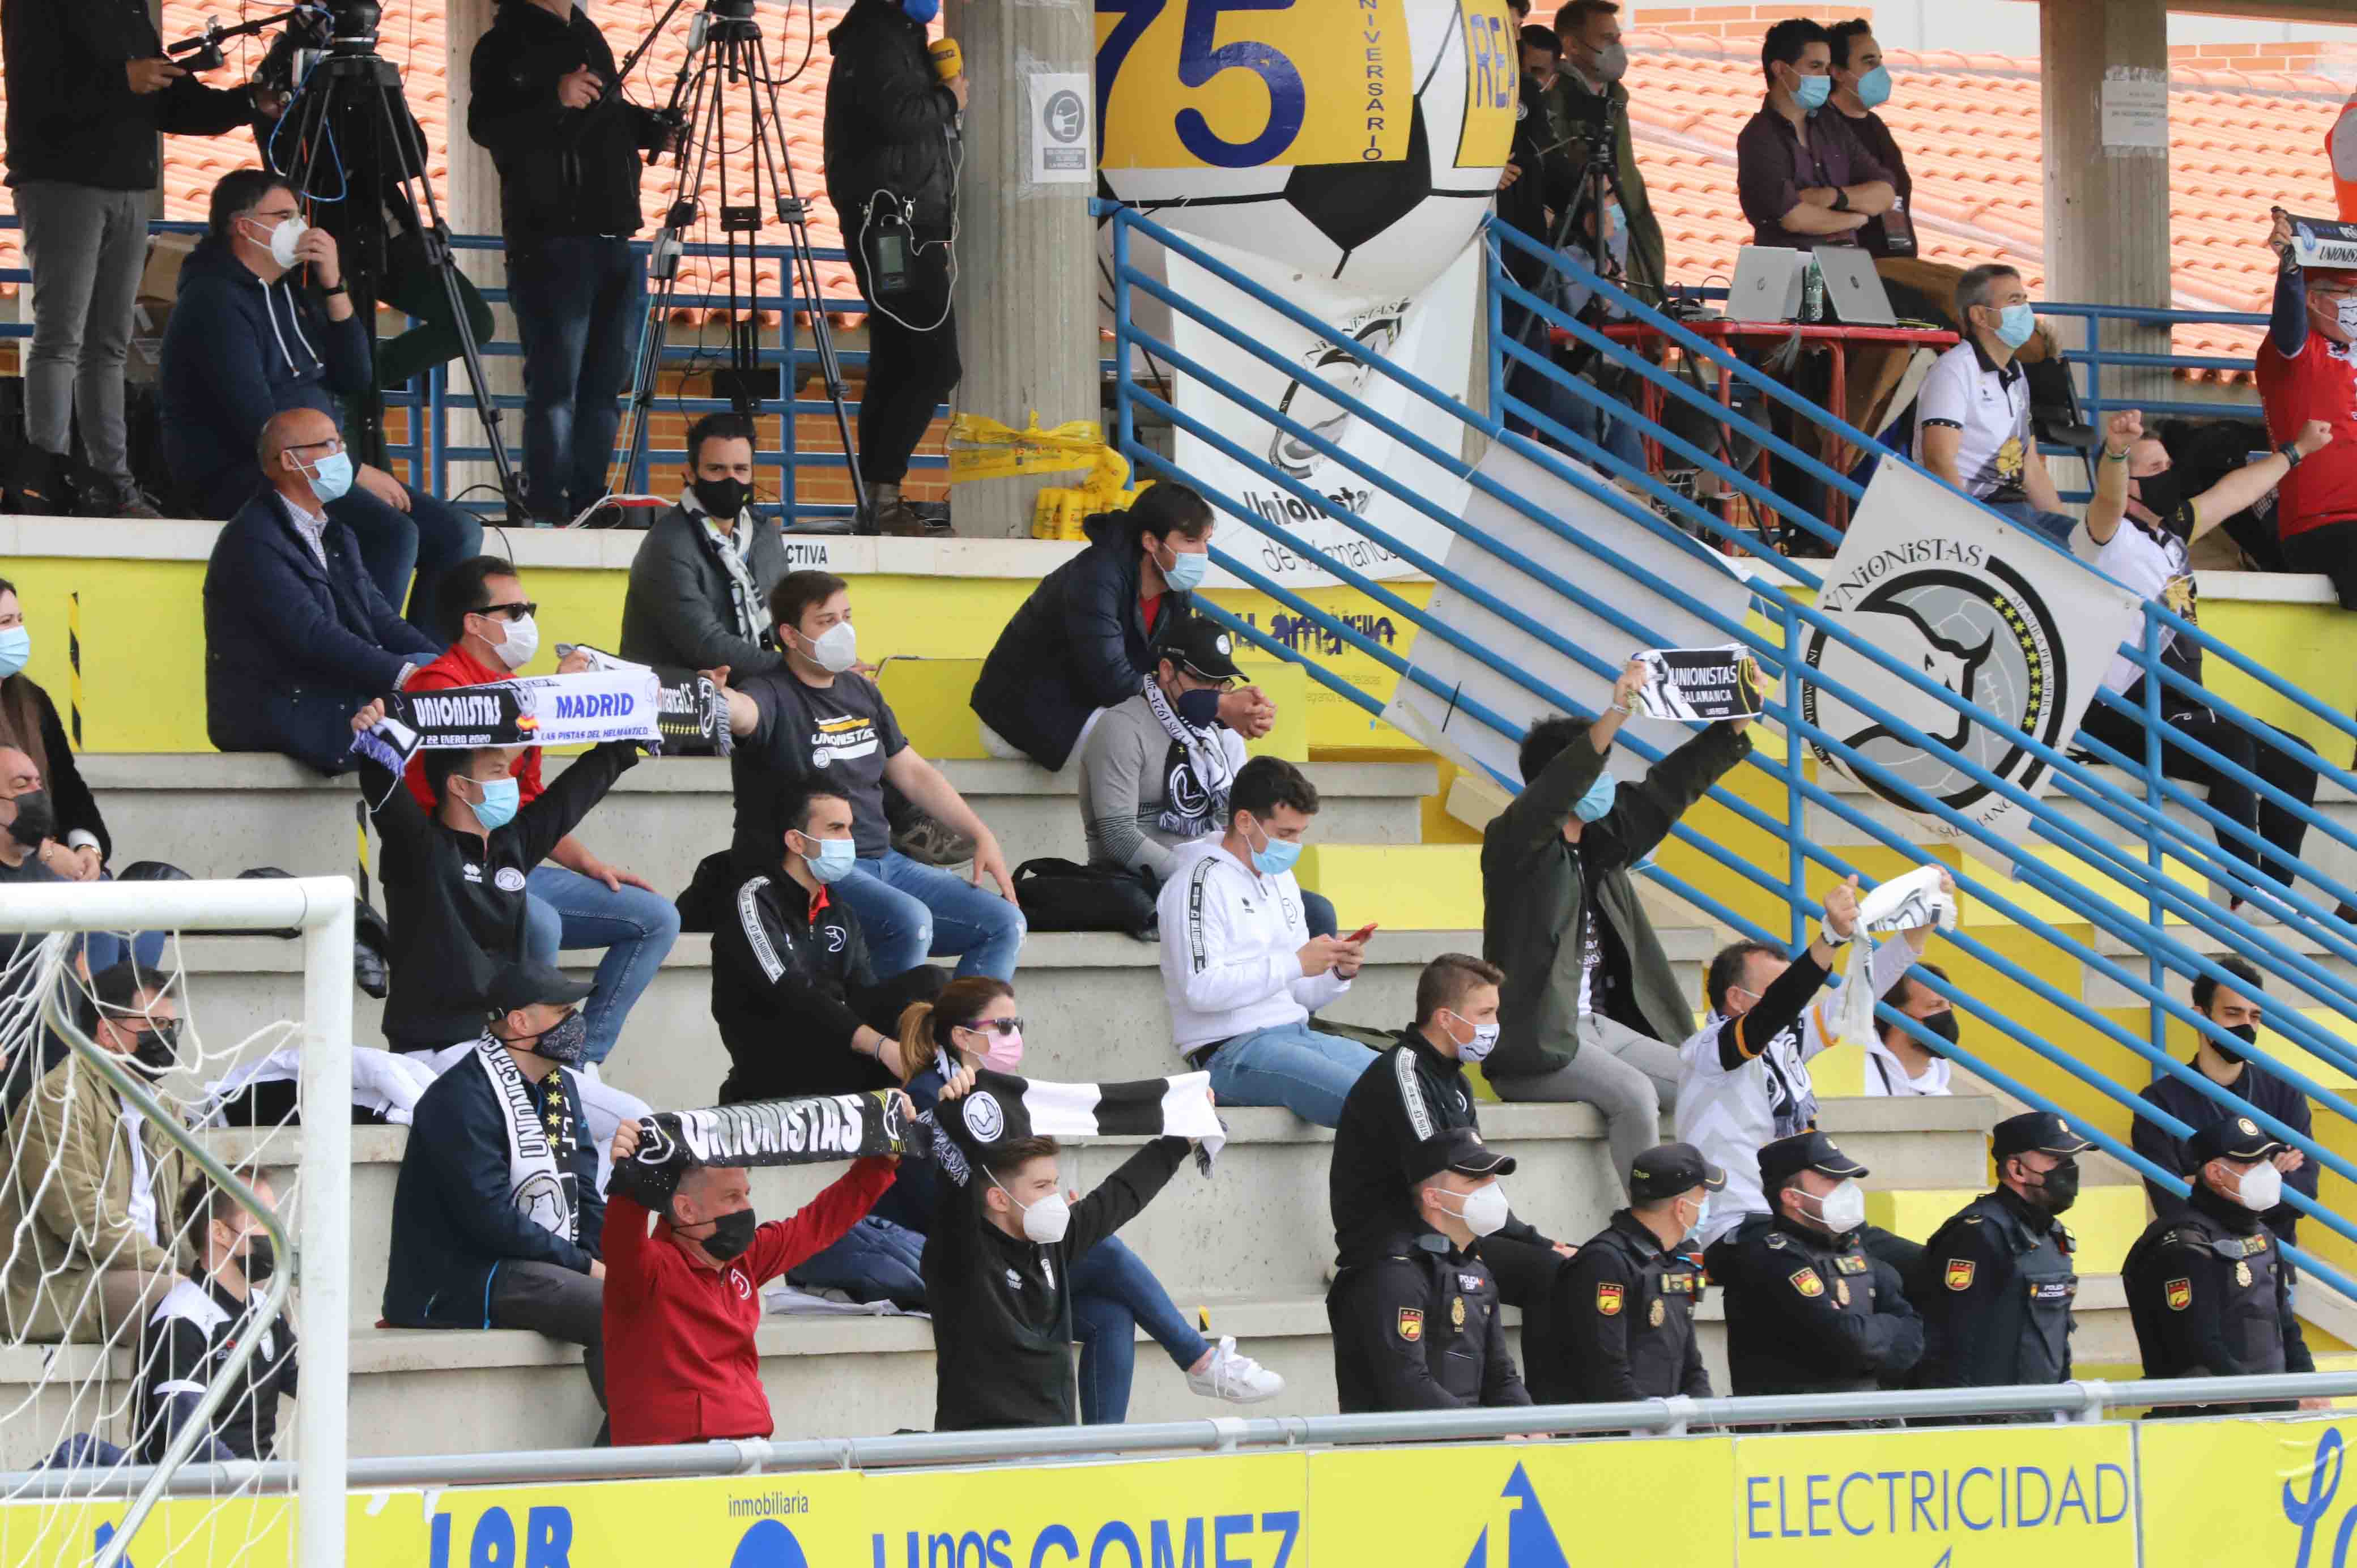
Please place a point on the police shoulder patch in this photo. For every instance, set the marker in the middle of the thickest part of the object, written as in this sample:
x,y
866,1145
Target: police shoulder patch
x,y
1608,1300
1806,1281
1960,1273
2178,1293
1411,1323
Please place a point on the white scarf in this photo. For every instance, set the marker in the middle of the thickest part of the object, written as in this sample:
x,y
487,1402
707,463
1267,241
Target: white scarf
x,y
537,1183
730,549
1207,759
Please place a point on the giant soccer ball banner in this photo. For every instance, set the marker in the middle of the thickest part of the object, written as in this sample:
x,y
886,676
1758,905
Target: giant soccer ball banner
x,y
1341,154
1983,609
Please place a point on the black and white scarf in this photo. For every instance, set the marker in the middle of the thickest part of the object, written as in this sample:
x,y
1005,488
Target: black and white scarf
x,y
674,712
730,552
691,714
540,1142
804,1130
1196,772
1001,1108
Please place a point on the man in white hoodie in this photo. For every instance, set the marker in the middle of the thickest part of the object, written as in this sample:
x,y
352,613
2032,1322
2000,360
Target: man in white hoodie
x,y
1241,969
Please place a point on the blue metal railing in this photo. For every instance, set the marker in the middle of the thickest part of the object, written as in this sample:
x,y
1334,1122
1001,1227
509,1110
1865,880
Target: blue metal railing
x,y
2141,865
442,428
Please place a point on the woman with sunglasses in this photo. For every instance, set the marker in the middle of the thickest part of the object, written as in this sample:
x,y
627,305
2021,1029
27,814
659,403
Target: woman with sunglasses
x,y
972,1025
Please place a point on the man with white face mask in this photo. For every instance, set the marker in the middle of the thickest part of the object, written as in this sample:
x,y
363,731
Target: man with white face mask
x,y
2208,1287
1807,1311
1620,1322
1420,1329
573,899
248,340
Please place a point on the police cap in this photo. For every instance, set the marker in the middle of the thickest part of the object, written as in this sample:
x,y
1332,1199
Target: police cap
x,y
2042,1131
1784,1158
2236,1138
1459,1149
1670,1169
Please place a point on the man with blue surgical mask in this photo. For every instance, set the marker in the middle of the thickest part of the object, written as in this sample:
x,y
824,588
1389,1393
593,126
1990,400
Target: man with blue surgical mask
x,y
1862,85
1804,178
794,988
1972,418
1590,1004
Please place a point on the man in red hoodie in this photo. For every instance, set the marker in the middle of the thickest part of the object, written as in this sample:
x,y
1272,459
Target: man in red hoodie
x,y
682,1303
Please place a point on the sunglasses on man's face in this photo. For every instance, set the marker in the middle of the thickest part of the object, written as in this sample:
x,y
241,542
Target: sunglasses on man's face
x,y
522,610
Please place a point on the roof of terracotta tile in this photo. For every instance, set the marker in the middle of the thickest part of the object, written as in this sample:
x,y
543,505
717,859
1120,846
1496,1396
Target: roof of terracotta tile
x,y
1970,127
2240,142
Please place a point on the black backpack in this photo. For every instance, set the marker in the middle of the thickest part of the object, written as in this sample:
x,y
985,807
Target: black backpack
x,y
1058,896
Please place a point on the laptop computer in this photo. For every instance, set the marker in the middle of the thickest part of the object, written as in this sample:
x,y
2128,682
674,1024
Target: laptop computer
x,y
1854,290
1767,284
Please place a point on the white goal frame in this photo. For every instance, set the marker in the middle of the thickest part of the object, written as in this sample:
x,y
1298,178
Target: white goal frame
x,y
320,909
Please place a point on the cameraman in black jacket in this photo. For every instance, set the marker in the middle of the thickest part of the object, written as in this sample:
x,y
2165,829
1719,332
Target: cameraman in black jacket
x,y
891,172
89,91
567,151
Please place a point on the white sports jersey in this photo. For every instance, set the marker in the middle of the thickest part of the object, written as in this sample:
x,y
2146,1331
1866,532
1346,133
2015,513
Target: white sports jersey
x,y
1728,1115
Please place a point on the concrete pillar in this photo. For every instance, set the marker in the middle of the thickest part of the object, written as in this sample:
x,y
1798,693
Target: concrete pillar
x,y
2106,201
470,205
1027,253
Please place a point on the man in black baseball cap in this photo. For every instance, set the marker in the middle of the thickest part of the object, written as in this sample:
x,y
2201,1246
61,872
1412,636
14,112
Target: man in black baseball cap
x,y
2208,1286
1618,1323
1807,1310
497,1218
1998,1280
1419,1329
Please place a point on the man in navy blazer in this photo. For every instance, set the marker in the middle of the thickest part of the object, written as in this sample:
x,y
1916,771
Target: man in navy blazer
x,y
297,634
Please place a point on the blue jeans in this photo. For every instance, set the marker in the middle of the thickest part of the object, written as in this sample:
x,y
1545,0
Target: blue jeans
x,y
872,1261
1294,1065
1113,1293
579,303
1317,911
566,909
2053,524
910,911
428,538
104,950
1559,403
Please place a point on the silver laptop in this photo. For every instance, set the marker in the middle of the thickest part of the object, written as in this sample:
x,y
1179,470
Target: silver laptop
x,y
1767,284
1854,290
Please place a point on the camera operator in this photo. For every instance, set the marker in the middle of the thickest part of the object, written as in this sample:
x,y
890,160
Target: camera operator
x,y
1586,98
382,243
891,172
89,91
567,150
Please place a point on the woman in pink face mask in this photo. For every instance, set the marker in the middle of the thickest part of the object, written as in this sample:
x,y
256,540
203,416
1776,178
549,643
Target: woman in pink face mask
x,y
974,1024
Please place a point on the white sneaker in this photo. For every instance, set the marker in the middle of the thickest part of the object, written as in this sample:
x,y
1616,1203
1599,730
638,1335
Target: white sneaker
x,y
1237,1379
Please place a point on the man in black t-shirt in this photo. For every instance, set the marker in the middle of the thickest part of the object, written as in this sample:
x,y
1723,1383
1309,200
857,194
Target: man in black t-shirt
x,y
199,1323
818,719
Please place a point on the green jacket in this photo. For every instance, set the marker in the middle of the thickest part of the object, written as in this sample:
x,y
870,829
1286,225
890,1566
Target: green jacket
x,y
1569,110
1532,888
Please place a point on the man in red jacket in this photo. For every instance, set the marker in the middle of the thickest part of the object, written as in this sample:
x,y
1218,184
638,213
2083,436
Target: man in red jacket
x,y
682,1303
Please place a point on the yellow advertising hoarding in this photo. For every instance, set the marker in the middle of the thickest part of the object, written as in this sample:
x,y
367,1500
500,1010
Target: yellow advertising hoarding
x,y
2271,1492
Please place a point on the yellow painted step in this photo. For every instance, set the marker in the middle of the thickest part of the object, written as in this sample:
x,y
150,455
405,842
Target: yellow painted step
x,y
1408,887
931,697
2106,1219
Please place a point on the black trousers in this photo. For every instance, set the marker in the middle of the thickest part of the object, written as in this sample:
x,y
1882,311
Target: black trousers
x,y
2330,549
558,1303
912,357
2229,797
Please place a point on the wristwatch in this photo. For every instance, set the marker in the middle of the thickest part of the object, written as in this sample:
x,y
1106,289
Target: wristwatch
x,y
2291,453
340,288
1841,199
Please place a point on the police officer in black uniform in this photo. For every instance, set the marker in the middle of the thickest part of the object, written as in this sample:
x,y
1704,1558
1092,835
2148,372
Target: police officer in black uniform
x,y
1620,1323
1418,1330
1807,1311
2209,1291
1998,1279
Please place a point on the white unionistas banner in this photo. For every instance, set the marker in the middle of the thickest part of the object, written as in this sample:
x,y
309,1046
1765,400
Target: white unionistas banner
x,y
1429,335
1983,609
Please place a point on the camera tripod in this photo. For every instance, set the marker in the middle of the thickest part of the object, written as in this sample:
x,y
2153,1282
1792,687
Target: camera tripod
x,y
346,137
726,52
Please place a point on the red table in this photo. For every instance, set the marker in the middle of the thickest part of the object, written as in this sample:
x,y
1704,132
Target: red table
x,y
1834,336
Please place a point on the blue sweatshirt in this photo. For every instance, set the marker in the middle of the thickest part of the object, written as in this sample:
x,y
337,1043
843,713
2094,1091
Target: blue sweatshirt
x,y
236,352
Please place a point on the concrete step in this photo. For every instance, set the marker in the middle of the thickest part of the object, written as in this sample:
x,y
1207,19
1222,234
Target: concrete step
x,y
1261,1222
1094,1002
2106,1221
664,816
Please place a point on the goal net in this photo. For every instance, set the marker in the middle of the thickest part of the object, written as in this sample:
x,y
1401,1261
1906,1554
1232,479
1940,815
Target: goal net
x,y
174,1320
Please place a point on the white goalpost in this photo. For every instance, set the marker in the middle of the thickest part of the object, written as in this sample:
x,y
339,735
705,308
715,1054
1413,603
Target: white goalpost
x,y
77,1389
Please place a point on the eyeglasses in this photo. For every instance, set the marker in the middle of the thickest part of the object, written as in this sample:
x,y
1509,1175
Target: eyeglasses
x,y
522,610
332,444
1002,1027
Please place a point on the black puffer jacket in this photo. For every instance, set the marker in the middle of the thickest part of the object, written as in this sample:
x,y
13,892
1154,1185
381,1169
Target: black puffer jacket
x,y
1078,644
888,118
562,171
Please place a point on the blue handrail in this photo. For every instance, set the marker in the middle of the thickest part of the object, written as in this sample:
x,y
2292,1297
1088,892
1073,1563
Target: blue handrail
x,y
2164,952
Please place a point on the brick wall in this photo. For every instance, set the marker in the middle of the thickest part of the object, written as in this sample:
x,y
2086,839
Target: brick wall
x,y
1735,21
